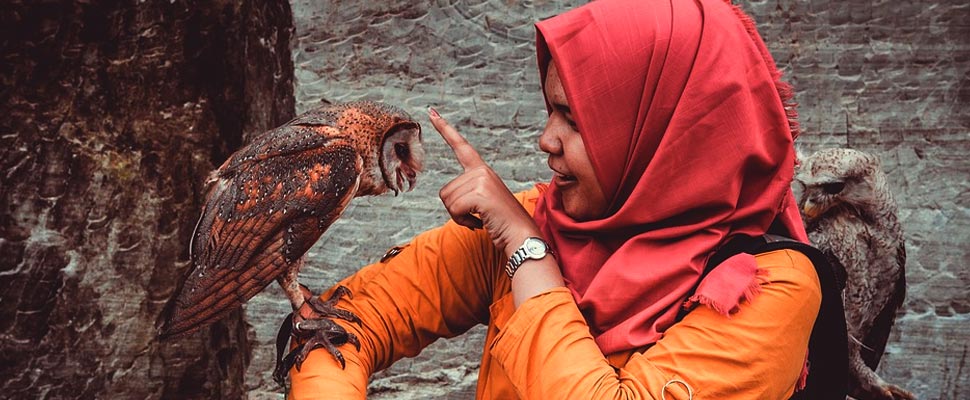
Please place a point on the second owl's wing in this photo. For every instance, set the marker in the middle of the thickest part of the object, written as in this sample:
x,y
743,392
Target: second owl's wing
x,y
883,323
259,218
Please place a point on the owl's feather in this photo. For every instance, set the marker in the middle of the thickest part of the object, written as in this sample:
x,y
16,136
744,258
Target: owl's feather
x,y
259,219
274,198
878,336
851,216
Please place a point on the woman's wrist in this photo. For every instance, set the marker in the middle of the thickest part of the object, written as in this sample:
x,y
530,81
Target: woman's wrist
x,y
534,277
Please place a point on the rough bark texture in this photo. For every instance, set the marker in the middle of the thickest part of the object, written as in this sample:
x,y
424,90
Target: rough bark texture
x,y
881,76
113,114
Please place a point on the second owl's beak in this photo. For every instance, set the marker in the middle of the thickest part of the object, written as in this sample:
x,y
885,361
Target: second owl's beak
x,y
810,209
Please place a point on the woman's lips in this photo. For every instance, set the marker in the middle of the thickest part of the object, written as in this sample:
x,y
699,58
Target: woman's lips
x,y
563,179
560,179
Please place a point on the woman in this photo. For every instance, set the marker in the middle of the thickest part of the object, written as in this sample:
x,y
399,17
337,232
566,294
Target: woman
x,y
667,136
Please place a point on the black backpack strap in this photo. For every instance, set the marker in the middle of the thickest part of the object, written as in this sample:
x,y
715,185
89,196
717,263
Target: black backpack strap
x,y
828,346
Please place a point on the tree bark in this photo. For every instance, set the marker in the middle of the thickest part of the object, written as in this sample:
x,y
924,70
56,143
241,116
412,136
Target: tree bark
x,y
113,113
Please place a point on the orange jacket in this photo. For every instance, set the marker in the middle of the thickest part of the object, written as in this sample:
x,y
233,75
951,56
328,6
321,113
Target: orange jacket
x,y
450,279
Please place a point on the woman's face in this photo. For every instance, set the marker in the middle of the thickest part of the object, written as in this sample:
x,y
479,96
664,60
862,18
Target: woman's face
x,y
582,197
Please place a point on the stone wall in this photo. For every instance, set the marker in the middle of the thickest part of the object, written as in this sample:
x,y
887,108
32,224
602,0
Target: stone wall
x,y
886,77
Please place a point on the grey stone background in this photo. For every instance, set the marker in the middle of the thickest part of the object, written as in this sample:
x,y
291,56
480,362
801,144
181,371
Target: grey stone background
x,y
882,76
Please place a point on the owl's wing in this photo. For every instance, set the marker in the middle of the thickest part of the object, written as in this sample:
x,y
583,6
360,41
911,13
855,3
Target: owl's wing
x,y
838,269
883,323
260,217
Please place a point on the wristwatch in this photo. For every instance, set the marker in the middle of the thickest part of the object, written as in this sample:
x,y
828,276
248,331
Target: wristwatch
x,y
532,249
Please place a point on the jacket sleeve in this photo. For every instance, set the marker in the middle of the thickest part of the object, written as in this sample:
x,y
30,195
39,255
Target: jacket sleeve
x,y
757,353
437,286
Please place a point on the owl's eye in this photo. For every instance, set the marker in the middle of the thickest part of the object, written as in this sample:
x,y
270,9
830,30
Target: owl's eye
x,y
833,188
402,150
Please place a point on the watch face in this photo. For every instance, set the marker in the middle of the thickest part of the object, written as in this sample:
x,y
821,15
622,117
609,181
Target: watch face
x,y
535,247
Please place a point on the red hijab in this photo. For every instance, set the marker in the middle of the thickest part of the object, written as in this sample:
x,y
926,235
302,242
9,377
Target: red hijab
x,y
687,127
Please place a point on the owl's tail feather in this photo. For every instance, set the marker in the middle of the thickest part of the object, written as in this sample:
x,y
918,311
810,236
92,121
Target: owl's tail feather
x,y
222,291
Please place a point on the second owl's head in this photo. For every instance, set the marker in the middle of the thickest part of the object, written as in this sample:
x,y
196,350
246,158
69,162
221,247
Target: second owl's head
x,y
835,178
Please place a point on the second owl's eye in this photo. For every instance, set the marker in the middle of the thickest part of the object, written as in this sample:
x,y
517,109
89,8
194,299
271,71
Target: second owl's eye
x,y
833,188
402,150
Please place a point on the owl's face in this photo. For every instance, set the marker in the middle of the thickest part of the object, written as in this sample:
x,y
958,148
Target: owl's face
x,y
835,179
402,157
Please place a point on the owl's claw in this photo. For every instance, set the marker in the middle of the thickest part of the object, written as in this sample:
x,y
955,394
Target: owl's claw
x,y
328,335
899,393
313,323
876,388
329,308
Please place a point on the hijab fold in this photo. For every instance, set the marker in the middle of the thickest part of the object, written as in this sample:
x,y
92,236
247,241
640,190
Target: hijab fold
x,y
689,130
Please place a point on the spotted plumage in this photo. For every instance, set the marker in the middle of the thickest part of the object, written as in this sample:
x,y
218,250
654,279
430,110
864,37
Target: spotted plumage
x,y
271,201
851,216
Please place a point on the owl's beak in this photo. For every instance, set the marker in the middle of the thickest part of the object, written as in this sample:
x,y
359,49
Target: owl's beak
x,y
411,177
404,176
810,209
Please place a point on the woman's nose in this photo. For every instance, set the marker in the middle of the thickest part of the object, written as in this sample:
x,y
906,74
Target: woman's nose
x,y
549,139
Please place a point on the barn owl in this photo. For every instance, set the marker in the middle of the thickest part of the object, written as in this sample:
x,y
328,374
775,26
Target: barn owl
x,y
850,215
270,202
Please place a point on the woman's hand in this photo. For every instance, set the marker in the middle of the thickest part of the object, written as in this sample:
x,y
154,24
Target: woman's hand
x,y
480,191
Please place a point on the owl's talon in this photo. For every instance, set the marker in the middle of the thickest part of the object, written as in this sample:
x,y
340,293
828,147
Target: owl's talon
x,y
341,291
899,393
322,338
875,388
335,313
322,332
329,308
312,322
352,339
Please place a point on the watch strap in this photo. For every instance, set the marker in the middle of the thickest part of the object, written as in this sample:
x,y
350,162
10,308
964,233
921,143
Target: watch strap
x,y
521,254
515,261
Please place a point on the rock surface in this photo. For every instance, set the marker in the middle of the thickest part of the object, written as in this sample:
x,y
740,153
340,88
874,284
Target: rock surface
x,y
113,114
885,77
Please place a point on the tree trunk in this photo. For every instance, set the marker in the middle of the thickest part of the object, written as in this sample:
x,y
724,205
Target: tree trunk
x,y
113,113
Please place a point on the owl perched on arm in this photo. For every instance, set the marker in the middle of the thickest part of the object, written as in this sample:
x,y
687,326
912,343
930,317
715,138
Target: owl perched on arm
x,y
850,215
270,202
